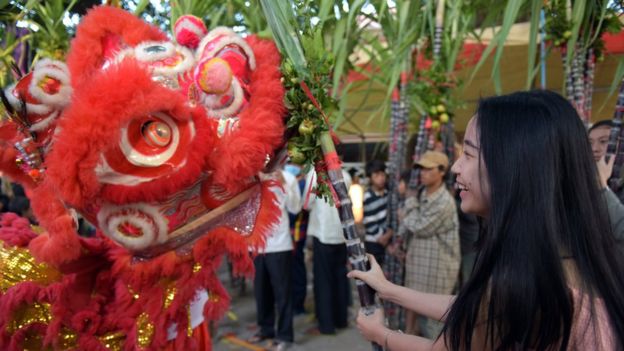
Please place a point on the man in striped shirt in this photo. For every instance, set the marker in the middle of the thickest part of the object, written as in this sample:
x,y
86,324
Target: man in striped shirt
x,y
375,211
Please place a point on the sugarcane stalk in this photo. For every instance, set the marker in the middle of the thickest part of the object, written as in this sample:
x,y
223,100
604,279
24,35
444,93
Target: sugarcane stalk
x,y
543,50
590,66
393,168
421,142
355,247
393,267
616,147
449,146
439,27
579,84
569,81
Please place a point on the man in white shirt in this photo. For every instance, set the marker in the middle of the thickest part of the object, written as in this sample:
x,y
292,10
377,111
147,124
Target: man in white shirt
x,y
273,278
331,286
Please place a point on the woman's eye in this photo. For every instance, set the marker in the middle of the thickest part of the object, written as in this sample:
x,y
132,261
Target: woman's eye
x,y
157,134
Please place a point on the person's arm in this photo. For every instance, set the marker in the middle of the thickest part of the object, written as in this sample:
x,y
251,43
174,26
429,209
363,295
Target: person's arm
x,y
373,329
384,239
616,215
614,206
293,196
434,306
431,305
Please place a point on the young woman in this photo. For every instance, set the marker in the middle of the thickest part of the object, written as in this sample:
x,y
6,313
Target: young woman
x,y
546,276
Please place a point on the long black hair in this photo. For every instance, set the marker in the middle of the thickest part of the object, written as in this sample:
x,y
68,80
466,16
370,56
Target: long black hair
x,y
545,206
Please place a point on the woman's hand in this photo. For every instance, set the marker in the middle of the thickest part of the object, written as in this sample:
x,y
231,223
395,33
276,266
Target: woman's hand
x,y
374,277
605,169
372,326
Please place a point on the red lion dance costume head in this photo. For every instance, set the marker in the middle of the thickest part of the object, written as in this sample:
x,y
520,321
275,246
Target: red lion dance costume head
x,y
161,145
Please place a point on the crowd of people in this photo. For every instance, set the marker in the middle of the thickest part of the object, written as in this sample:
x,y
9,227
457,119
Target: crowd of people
x,y
523,253
13,199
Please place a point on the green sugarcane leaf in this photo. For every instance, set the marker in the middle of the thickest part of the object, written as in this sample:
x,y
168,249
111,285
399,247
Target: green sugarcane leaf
x,y
536,8
498,41
511,14
325,8
604,5
281,21
141,6
340,48
578,10
618,79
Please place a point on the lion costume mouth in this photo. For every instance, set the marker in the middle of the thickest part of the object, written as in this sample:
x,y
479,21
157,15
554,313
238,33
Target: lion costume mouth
x,y
238,214
149,230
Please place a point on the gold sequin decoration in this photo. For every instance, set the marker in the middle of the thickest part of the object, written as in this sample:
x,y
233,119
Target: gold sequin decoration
x,y
37,229
145,330
33,342
169,295
197,267
35,313
67,339
113,341
135,296
189,327
17,266
213,297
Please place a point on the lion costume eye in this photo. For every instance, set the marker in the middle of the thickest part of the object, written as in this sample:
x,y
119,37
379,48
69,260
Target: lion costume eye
x,y
150,141
149,147
156,134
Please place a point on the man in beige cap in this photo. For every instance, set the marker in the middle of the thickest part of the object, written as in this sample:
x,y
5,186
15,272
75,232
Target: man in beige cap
x,y
429,222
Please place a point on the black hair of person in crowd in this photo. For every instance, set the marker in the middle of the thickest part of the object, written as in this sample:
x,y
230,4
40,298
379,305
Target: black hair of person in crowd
x,y
374,166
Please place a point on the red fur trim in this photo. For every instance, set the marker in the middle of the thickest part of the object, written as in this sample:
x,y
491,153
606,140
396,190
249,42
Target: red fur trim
x,y
61,243
97,29
15,230
261,123
94,121
9,168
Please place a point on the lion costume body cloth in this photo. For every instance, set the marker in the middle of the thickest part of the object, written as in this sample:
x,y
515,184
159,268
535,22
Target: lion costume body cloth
x,y
161,145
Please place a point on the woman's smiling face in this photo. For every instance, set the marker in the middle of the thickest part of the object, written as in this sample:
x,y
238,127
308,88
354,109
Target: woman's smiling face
x,y
471,181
